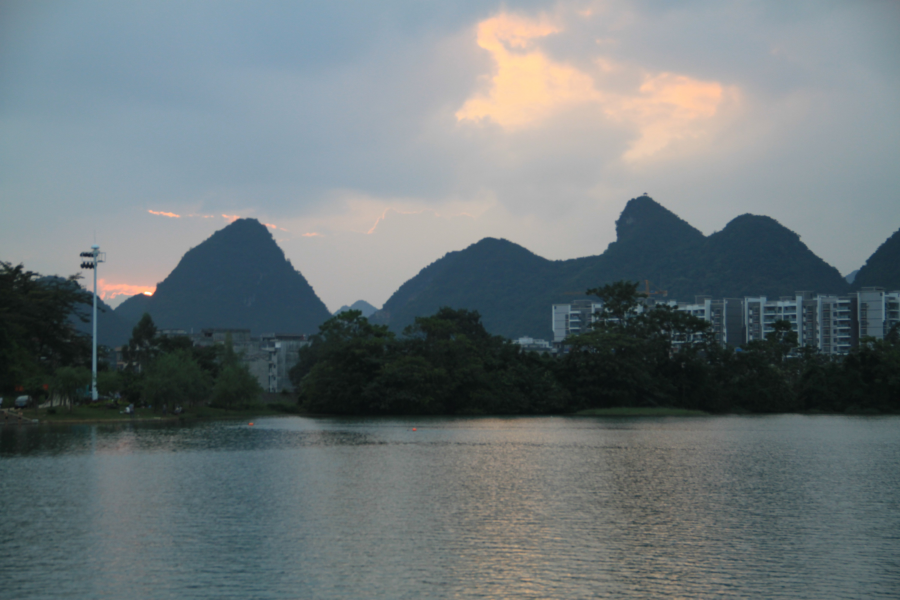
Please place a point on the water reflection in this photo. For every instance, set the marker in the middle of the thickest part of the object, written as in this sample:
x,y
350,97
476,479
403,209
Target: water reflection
x,y
790,507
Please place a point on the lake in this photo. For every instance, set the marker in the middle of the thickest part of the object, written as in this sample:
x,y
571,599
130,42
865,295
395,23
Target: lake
x,y
567,507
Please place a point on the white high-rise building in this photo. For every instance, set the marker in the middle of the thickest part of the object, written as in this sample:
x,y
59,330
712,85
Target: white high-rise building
x,y
799,310
724,315
877,312
837,329
574,318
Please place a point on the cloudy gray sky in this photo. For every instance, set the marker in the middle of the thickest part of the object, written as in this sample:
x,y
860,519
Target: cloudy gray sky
x,y
374,137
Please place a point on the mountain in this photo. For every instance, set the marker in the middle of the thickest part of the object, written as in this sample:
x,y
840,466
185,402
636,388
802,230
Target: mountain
x,y
500,279
361,305
757,256
111,331
883,267
851,276
238,278
131,310
513,288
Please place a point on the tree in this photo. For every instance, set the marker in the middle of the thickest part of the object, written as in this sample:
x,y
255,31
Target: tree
x,y
636,355
175,379
36,335
343,358
110,383
621,300
234,385
71,383
143,346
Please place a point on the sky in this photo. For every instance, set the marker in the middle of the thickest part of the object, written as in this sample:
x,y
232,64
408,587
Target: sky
x,y
374,137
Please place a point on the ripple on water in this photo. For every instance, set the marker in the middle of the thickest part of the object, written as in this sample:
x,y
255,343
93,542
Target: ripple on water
x,y
788,507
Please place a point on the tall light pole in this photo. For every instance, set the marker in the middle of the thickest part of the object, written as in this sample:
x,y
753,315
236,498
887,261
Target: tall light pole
x,y
96,257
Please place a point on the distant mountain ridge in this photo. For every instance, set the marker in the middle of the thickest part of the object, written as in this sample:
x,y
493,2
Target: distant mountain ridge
x,y
513,289
361,305
238,278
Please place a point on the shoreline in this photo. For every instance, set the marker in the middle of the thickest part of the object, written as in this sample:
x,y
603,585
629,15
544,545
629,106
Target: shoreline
x,y
220,414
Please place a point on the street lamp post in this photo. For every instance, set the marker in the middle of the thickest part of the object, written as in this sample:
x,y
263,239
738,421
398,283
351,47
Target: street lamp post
x,y
96,257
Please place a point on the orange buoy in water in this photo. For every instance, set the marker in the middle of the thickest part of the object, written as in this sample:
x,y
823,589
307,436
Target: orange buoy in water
x,y
251,424
414,428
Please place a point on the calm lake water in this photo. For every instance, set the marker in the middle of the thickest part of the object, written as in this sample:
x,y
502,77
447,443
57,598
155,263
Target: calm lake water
x,y
754,507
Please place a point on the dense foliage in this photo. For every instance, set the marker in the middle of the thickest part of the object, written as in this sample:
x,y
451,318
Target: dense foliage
x,y
43,355
168,372
36,333
444,364
632,357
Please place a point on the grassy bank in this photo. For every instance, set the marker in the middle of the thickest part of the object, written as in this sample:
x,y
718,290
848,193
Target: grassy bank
x,y
640,412
101,414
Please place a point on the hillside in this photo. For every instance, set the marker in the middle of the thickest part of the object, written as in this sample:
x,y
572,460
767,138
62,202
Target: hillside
x,y
513,288
361,305
496,277
238,278
882,269
131,310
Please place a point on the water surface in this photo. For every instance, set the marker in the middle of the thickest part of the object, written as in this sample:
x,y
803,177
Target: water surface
x,y
777,507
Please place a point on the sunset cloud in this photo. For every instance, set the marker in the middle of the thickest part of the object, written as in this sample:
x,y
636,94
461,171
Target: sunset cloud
x,y
109,291
312,234
164,214
231,218
527,87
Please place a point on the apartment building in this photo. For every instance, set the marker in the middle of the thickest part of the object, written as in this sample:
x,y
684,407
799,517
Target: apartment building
x,y
800,310
877,312
832,324
838,329
725,316
283,352
574,318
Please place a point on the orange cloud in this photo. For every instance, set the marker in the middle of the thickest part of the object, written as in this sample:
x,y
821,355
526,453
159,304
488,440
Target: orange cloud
x,y
312,234
270,226
108,290
231,218
668,107
527,87
164,214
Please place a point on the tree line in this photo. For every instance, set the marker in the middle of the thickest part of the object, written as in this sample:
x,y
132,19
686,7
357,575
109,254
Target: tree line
x,y
631,357
448,363
42,354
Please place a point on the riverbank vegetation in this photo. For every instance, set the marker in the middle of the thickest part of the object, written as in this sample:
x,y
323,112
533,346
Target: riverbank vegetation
x,y
631,358
44,357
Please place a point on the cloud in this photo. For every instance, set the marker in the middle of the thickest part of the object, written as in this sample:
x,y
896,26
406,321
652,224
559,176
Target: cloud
x,y
164,214
271,226
110,291
528,87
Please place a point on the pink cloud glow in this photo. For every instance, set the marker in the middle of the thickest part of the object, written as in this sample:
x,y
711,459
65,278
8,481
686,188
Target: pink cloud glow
x,y
108,290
